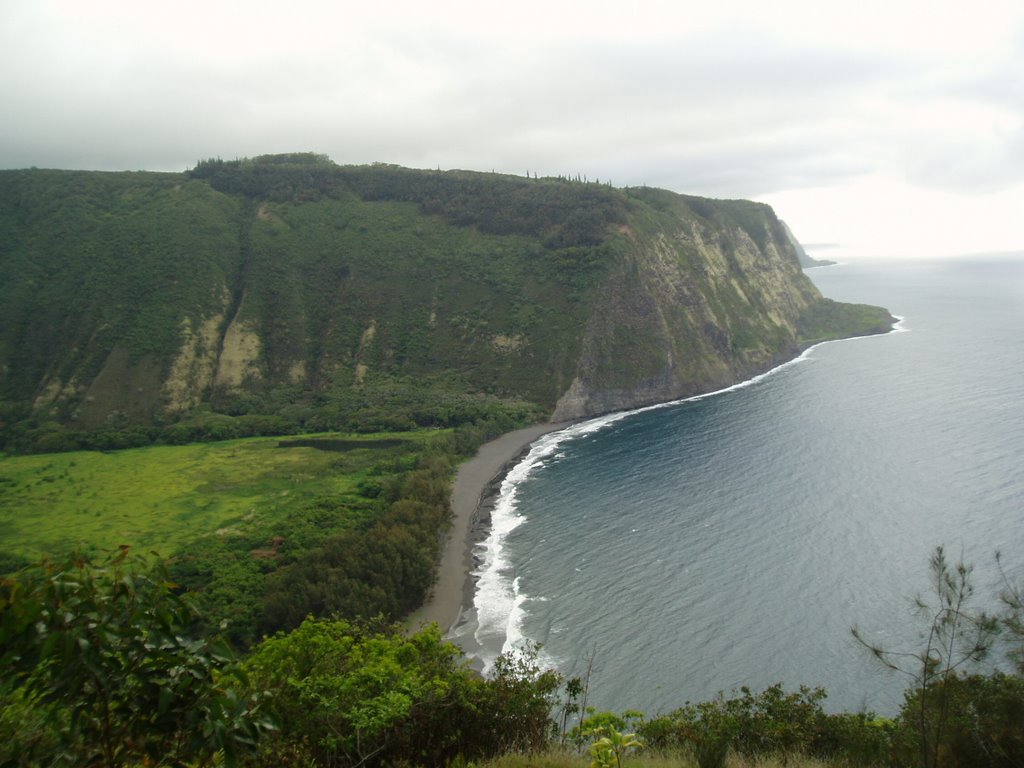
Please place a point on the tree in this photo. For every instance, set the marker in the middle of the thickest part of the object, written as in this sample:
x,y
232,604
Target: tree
x,y
368,694
984,725
1013,616
353,694
750,724
519,699
956,636
107,648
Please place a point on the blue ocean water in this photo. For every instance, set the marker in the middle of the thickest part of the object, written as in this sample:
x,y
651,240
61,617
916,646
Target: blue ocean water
x,y
733,540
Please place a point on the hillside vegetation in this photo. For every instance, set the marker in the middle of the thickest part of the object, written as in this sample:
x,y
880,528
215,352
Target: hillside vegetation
x,y
263,531
286,293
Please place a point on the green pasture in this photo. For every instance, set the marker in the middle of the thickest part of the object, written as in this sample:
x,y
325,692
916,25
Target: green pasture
x,y
162,497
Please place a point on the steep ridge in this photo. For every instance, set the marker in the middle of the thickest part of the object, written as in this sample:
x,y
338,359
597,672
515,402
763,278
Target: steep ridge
x,y
288,282
708,294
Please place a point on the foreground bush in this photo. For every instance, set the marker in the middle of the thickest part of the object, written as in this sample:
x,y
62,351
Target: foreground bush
x,y
971,721
366,695
99,668
772,722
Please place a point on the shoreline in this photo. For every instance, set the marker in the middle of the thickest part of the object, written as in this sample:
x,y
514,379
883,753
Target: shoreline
x,y
477,482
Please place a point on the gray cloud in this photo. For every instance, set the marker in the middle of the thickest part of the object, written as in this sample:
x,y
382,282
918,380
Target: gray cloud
x,y
729,110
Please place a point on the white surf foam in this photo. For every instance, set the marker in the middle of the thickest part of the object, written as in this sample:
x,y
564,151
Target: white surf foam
x,y
499,602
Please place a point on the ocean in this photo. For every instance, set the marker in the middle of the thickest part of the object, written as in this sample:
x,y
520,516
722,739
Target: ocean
x,y
734,539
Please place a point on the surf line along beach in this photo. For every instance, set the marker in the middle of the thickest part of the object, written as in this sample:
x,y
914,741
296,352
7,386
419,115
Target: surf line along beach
x,y
478,481
453,588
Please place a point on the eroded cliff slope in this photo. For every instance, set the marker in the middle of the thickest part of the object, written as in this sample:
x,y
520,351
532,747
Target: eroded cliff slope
x,y
706,293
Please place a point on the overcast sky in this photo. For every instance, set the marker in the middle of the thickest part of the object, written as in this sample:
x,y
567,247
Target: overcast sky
x,y
890,127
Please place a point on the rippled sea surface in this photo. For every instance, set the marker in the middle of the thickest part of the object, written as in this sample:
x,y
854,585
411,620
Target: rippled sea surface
x,y
735,539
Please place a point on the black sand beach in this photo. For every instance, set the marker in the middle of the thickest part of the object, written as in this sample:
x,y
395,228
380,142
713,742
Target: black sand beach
x,y
453,588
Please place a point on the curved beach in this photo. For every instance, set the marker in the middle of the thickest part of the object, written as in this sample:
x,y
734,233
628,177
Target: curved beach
x,y
453,588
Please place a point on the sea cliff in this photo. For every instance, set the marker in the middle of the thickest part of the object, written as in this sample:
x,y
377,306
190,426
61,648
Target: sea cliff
x,y
288,292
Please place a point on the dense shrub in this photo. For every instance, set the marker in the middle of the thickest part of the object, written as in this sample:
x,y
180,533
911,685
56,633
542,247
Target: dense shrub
x,y
368,694
766,723
972,721
384,569
100,665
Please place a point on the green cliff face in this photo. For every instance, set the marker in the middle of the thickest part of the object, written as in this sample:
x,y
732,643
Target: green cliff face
x,y
285,280
706,293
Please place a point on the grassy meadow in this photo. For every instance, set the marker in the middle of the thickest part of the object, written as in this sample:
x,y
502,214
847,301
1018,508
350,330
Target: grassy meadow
x,y
160,498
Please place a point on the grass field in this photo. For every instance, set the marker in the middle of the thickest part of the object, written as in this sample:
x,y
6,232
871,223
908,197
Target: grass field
x,y
160,498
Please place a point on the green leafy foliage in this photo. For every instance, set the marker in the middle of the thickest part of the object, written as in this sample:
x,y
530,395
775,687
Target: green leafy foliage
x,y
772,722
384,568
30,726
369,694
1012,618
107,648
610,746
370,552
957,636
351,695
520,700
100,669
969,721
